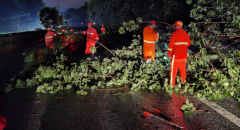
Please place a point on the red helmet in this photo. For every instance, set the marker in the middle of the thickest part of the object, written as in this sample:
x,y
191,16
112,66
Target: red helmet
x,y
153,22
90,23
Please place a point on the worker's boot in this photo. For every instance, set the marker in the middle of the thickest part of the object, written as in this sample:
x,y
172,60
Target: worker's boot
x,y
183,82
93,56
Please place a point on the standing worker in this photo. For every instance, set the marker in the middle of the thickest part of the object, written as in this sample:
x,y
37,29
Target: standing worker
x,y
92,39
102,28
177,52
49,38
149,39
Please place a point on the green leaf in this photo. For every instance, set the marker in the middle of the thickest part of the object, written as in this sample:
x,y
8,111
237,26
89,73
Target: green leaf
x,y
29,82
187,101
184,107
199,95
69,86
84,93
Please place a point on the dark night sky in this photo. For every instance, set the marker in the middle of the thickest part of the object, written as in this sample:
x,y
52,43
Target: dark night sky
x,y
65,4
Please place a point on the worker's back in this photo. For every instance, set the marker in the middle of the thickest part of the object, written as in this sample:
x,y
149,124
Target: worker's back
x,y
49,37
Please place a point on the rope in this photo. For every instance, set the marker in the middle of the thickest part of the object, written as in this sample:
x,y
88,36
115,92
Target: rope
x,y
20,46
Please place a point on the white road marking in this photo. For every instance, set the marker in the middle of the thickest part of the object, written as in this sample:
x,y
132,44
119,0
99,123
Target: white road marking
x,y
222,111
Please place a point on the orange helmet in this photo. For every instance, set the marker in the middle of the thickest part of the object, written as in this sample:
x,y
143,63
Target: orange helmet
x,y
153,22
90,23
178,23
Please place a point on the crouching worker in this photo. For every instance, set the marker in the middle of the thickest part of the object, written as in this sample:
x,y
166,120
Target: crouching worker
x,y
49,38
177,52
150,37
92,39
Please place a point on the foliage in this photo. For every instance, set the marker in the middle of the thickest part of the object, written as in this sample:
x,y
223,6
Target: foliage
x,y
49,16
188,108
114,12
61,20
67,17
76,15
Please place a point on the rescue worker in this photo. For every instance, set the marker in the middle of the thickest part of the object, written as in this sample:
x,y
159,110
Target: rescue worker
x,y
92,39
177,52
149,39
102,28
49,38
40,57
3,120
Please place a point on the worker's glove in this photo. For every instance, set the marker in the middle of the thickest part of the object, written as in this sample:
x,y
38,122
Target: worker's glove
x,y
169,57
96,41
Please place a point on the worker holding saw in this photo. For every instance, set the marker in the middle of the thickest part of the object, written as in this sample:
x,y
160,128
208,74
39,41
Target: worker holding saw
x,y
92,39
150,37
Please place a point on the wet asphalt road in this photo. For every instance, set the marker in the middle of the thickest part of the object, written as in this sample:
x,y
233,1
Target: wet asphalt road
x,y
99,110
104,110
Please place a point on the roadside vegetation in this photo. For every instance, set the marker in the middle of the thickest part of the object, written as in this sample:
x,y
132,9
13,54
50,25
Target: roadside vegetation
x,y
212,69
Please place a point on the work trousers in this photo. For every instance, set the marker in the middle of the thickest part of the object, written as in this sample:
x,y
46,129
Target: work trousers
x,y
175,65
89,44
49,45
149,50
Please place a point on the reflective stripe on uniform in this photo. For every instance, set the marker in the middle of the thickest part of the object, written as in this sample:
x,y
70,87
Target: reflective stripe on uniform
x,y
180,43
92,33
149,41
169,49
96,38
172,69
49,37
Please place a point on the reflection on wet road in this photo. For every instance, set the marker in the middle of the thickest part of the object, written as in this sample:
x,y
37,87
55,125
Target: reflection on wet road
x,y
104,110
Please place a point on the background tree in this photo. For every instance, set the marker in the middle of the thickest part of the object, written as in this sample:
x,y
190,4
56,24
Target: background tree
x,y
115,12
77,16
49,16
62,20
67,17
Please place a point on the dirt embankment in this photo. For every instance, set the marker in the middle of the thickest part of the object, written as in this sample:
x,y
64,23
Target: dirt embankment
x,y
8,41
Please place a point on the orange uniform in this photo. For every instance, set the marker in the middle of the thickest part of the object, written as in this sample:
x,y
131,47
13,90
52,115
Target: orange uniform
x,y
149,39
178,46
92,38
102,28
49,39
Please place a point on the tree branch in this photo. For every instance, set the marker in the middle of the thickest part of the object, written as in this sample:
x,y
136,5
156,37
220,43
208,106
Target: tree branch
x,y
214,51
225,47
213,70
212,22
106,48
233,79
